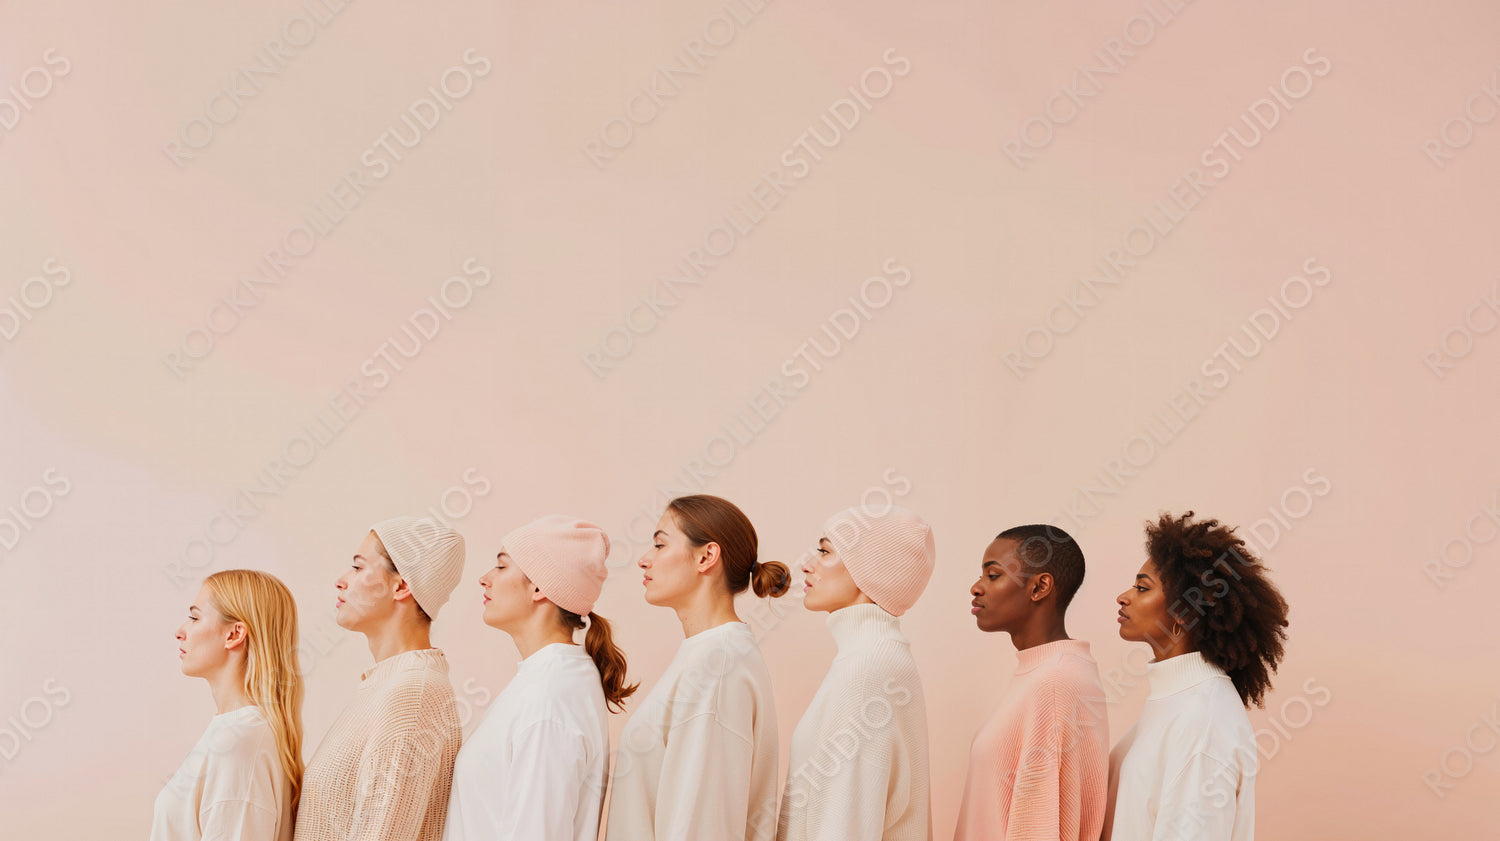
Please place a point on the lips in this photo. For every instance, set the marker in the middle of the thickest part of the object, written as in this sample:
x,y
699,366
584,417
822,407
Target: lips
x,y
1121,617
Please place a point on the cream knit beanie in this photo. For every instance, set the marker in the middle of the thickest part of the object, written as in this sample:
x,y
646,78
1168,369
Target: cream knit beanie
x,y
887,550
428,555
564,557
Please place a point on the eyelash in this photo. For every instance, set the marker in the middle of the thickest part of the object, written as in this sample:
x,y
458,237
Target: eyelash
x,y
659,545
822,551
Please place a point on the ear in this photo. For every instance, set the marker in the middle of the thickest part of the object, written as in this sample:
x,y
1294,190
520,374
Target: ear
x,y
403,590
1041,586
710,558
235,639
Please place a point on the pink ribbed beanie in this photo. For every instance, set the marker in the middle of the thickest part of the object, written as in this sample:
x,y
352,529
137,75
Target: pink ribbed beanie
x,y
887,550
428,555
564,557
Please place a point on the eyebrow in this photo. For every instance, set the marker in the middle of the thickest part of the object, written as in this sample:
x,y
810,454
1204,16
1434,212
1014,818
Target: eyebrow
x,y
1140,575
987,564
655,533
193,607
823,540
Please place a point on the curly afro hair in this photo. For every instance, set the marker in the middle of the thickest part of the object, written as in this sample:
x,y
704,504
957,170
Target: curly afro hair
x,y
1218,589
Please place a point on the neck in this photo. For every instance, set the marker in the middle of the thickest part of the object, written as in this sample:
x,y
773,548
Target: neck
x,y
1040,630
228,686
1169,648
540,631
398,636
707,610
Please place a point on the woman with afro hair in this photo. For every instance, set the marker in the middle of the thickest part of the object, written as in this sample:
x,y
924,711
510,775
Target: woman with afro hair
x,y
1217,627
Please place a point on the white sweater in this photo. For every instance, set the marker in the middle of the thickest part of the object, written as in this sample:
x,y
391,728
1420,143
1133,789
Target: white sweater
x,y
858,767
534,769
230,787
1186,770
697,761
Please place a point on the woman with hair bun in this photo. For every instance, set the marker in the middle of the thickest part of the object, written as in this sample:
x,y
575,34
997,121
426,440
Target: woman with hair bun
x,y
1217,627
535,768
698,760
241,782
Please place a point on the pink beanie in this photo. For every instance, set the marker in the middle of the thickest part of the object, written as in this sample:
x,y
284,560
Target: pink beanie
x,y
887,550
564,557
428,555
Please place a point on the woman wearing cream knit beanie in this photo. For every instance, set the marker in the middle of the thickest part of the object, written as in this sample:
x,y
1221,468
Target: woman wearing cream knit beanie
x,y
869,567
536,767
384,768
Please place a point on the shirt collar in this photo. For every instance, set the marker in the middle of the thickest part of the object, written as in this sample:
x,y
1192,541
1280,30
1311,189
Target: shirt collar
x,y
1030,658
1174,674
420,658
859,624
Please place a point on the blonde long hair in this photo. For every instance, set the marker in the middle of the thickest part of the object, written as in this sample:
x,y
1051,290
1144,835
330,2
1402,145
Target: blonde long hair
x,y
273,680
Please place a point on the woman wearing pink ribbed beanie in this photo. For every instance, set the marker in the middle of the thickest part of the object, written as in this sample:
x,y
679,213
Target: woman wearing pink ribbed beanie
x,y
697,762
859,767
536,767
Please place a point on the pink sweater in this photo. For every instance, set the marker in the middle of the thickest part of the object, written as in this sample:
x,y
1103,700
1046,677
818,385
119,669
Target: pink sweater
x,y
1039,768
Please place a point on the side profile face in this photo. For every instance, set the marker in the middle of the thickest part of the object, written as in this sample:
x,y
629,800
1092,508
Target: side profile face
x,y
205,641
367,590
1143,615
827,584
672,566
509,596
1001,599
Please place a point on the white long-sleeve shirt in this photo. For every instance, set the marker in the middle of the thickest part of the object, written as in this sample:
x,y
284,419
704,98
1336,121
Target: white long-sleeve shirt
x,y
384,770
230,788
858,768
1186,770
535,767
697,761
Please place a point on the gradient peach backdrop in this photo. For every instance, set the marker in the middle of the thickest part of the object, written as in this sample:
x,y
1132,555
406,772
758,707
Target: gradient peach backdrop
x,y
87,610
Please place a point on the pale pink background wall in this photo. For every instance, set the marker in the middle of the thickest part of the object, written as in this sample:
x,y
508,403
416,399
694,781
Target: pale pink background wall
x,y
1373,463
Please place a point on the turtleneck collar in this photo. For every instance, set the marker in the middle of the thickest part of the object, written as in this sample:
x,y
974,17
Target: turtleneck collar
x,y
1174,674
1030,658
860,624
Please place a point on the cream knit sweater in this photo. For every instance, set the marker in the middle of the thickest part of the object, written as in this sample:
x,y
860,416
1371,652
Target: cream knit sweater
x,y
384,770
1186,770
858,767
697,762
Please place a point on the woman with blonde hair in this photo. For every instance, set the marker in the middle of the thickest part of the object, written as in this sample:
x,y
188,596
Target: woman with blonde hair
x,y
241,782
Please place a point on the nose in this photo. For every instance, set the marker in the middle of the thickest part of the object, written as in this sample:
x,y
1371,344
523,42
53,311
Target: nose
x,y
179,634
977,590
642,562
809,564
1122,599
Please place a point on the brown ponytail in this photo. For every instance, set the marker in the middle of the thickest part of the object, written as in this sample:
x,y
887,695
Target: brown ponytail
x,y
710,519
608,658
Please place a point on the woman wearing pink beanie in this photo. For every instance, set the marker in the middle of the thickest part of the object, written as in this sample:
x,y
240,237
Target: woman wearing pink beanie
x,y
535,768
859,768
697,762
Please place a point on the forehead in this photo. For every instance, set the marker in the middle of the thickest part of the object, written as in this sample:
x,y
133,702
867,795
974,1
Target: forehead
x,y
1001,549
204,598
667,523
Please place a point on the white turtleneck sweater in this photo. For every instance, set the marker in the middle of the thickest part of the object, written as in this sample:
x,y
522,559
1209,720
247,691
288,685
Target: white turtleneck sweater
x,y
534,769
1186,770
697,761
858,768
